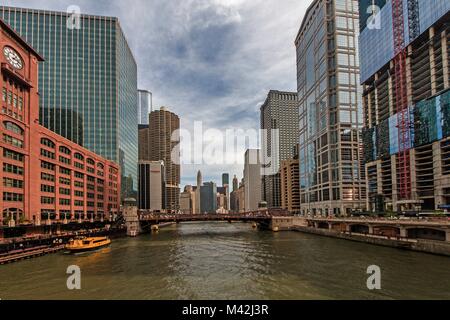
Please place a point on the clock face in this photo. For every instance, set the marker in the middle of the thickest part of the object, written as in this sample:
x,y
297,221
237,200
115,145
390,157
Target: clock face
x,y
13,57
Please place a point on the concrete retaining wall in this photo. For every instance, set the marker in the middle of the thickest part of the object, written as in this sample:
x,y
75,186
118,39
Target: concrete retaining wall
x,y
433,247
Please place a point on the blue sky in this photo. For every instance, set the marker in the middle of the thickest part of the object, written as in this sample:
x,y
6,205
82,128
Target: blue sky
x,y
206,60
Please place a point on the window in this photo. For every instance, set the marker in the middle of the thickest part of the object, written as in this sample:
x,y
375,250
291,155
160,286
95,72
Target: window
x,y
47,154
64,202
64,191
48,143
12,183
79,203
12,141
48,189
79,175
79,184
47,200
79,165
4,94
13,127
12,169
79,156
12,197
91,162
79,193
47,177
64,160
64,171
47,166
64,150
64,181
13,155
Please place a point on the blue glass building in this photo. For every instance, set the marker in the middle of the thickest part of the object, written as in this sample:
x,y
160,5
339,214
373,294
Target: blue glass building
x,y
87,84
425,117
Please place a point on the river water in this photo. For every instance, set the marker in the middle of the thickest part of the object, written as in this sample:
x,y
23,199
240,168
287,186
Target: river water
x,y
230,261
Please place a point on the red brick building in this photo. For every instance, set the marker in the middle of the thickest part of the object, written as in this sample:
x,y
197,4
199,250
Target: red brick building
x,y
44,176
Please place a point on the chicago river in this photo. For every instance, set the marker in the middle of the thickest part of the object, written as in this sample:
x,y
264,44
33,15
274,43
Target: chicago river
x,y
230,261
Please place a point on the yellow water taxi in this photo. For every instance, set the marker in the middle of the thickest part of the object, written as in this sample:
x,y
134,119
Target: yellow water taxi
x,y
87,244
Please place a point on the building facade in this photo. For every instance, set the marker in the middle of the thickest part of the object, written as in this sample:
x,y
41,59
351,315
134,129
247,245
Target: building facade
x,y
331,170
406,102
151,186
44,176
145,107
279,117
158,141
208,195
188,200
290,185
88,83
252,180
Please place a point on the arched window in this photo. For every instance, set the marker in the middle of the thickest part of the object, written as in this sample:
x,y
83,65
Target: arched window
x,y
91,162
13,127
64,150
100,165
79,156
48,143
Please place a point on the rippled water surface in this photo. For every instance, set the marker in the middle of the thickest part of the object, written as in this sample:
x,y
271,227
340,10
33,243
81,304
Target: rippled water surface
x,y
230,261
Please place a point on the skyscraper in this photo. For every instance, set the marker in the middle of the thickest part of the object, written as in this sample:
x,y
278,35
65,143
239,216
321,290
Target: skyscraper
x,y
252,180
235,183
152,184
225,179
331,173
162,137
406,97
279,116
208,198
87,84
145,107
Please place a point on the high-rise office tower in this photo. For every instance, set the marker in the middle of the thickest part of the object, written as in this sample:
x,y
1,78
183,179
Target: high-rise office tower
x,y
87,84
405,75
225,179
252,180
145,107
290,190
235,183
330,111
162,138
208,199
151,185
279,117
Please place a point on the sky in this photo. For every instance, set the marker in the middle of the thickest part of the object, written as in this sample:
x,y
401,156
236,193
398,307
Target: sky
x,y
212,61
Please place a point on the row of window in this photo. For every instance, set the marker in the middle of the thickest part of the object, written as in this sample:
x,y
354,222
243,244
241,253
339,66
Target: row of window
x,y
12,141
12,99
12,197
12,183
12,114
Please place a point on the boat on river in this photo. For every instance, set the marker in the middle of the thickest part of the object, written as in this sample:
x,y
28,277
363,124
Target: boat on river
x,y
87,244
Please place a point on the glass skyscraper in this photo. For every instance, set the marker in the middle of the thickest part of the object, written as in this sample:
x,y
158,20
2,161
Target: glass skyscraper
x,y
330,109
87,84
145,106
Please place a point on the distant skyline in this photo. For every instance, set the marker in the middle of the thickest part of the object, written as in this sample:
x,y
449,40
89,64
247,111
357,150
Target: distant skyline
x,y
199,57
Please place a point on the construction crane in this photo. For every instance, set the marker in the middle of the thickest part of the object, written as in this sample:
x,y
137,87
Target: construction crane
x,y
401,100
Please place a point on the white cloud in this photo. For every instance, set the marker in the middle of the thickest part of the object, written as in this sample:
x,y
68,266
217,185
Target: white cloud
x,y
209,60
